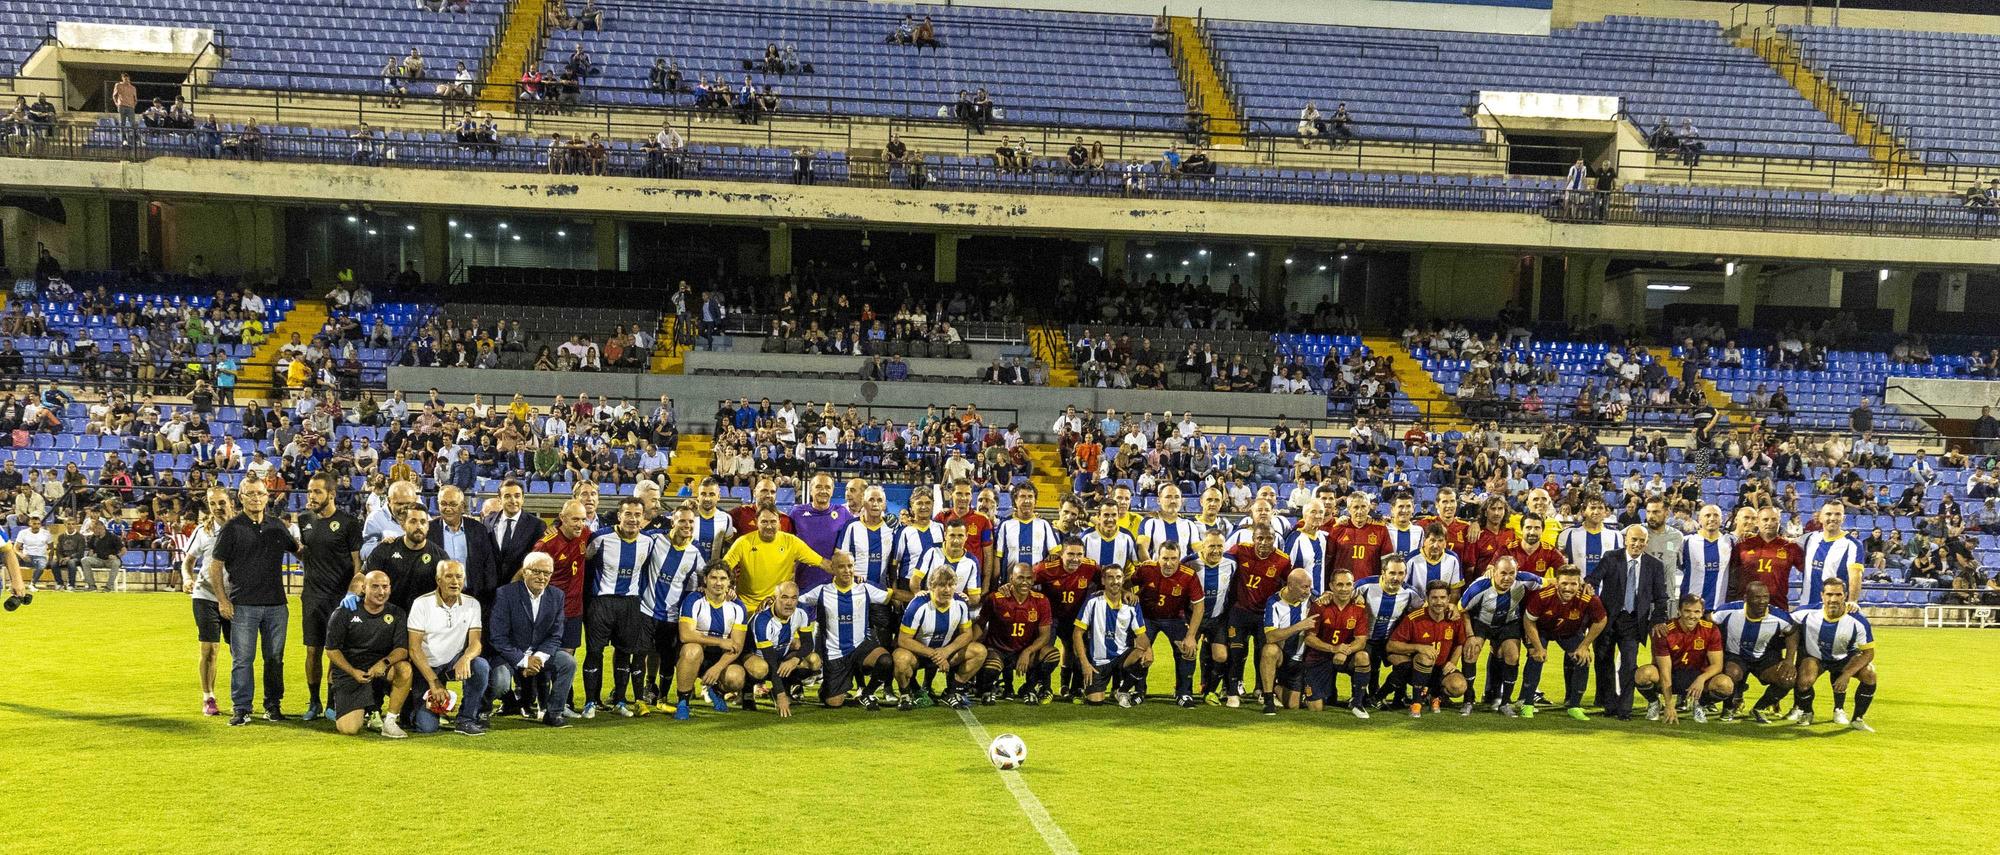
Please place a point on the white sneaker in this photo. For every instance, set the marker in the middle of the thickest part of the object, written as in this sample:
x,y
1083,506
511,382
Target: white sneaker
x,y
1654,711
1862,726
1359,713
1840,717
1796,714
1232,702
1509,711
1497,704
1465,709
374,721
1124,699
391,729
1805,720
1700,714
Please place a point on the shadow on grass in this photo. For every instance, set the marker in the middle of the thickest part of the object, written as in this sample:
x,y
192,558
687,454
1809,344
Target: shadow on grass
x,y
170,725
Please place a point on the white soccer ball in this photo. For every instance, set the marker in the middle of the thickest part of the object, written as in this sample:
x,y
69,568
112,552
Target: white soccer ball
x,y
1007,752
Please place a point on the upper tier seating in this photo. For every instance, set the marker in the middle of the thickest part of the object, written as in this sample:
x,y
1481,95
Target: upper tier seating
x,y
1663,68
1907,79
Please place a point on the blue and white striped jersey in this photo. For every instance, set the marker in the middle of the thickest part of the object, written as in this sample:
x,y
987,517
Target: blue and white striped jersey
x,y
1310,551
1246,531
1424,571
1108,629
1830,639
873,550
1583,547
678,573
1182,530
934,627
843,614
620,567
965,571
1031,540
1748,638
709,529
1215,583
1118,550
1705,566
912,541
1279,614
713,619
1491,605
1221,526
1406,542
779,635
1385,608
1828,558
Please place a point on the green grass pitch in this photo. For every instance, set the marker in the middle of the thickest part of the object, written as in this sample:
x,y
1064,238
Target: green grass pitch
x,y
105,751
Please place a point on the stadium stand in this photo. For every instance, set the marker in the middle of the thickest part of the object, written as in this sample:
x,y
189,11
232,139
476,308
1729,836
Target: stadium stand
x,y
1928,87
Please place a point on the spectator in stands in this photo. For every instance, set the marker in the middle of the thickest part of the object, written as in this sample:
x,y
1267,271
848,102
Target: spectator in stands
x,y
1340,128
925,36
590,17
905,32
364,145
1197,163
1662,139
596,155
1861,419
1311,125
982,110
1978,201
802,165
1691,146
125,99
768,104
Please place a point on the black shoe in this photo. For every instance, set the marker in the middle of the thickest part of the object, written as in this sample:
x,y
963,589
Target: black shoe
x,y
1186,702
869,703
748,702
905,703
240,719
470,727
1625,716
13,602
1270,705
273,714
556,720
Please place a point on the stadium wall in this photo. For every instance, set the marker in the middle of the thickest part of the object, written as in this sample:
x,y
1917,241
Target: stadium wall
x,y
1571,12
1035,408
1521,17
703,360
1930,397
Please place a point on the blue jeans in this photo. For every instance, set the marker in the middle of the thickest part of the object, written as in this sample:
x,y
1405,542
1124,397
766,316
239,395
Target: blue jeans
x,y
128,124
244,629
471,700
556,676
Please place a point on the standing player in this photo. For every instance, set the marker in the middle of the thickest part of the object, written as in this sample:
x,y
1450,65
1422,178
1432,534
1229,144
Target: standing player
x,y
1019,639
783,633
1108,545
1360,542
1067,579
1458,532
1310,548
1171,598
870,544
1386,599
912,541
1024,537
1757,640
1495,536
818,522
565,545
852,653
714,629
1831,554
1422,651
1260,567
1216,571
978,527
1406,536
1168,525
624,562
713,529
1569,616
743,517
1261,516
208,623
936,635
953,555
330,557
1211,520
1494,603
1110,635
1289,619
1589,540
1770,557
766,557
1839,642
1434,561
1339,642
678,574
1705,559
1543,559
1687,656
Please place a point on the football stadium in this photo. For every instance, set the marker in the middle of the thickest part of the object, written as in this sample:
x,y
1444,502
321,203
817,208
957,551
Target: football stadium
x,y
1013,426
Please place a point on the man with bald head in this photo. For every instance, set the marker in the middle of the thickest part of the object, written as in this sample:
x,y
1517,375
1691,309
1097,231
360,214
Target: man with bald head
x,y
1288,619
369,646
784,637
469,542
1634,588
386,523
527,638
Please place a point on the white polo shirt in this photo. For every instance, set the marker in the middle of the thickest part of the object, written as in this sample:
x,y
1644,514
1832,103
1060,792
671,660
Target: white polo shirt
x,y
444,627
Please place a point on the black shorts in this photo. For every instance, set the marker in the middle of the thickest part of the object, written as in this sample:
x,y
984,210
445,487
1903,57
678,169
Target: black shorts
x,y
314,612
209,626
1317,678
1772,656
1291,674
666,638
616,621
1102,681
344,695
1496,633
709,656
772,660
1215,630
1832,667
572,637
838,676
1244,626
1173,629
882,624
1684,680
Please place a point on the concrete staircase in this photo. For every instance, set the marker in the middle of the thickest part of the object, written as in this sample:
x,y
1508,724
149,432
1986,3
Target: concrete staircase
x,y
1419,385
1715,397
667,354
1202,81
1051,482
1783,55
1051,345
306,318
520,44
694,457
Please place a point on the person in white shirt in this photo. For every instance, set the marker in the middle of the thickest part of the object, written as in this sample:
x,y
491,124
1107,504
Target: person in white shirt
x,y
32,545
445,632
207,615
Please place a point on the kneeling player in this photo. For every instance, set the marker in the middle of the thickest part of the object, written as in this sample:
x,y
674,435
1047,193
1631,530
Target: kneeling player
x,y
1288,621
1421,647
1019,639
713,627
1339,643
784,638
848,608
937,634
1689,649
1838,641
1757,640
1109,637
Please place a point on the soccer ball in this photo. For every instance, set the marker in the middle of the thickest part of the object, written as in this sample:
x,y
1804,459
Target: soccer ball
x,y
1007,752
440,707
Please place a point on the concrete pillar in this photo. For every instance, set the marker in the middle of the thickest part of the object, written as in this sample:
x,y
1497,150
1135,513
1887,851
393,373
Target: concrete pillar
x,y
944,265
1893,292
1740,288
1583,289
1836,285
1114,261
89,235
780,255
1534,289
1951,292
434,252
606,232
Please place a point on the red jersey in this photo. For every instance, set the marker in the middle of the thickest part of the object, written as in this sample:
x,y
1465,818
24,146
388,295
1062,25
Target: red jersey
x,y
1689,648
1770,562
1418,627
1339,625
1358,548
745,519
1454,533
1168,594
1013,624
569,573
1066,589
1492,544
1554,618
1542,562
978,530
1257,579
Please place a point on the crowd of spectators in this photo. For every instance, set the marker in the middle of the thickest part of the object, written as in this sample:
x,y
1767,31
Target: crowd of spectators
x,y
785,443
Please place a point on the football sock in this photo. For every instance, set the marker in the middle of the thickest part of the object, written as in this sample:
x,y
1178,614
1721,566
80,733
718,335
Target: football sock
x,y
1183,676
1803,699
1420,679
1393,687
1862,698
1650,693
1435,688
1507,675
1839,700
1531,677
593,675
1770,698
621,672
1472,675
1358,685
686,696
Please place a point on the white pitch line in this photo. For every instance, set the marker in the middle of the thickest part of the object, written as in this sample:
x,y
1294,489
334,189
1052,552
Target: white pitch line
x,y
1052,834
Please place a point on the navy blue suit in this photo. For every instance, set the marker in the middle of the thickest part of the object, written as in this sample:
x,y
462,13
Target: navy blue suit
x,y
1624,630
517,632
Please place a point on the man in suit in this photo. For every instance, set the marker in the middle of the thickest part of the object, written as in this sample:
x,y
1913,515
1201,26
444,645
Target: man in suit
x,y
515,531
1633,586
526,639
469,542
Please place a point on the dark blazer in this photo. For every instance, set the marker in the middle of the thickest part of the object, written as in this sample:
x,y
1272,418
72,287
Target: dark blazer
x,y
515,632
1654,604
482,560
528,531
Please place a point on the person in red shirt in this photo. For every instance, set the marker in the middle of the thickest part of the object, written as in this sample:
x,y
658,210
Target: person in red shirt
x,y
1067,580
1690,649
1568,615
1359,543
1339,641
1544,560
1457,531
978,528
1768,557
1495,537
1260,571
744,516
566,544
1172,599
1423,651
1019,638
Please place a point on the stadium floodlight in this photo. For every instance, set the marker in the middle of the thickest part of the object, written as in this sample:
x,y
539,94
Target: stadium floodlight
x,y
517,237
1883,275
1667,286
468,235
1251,254
1149,256
1201,252
562,233
1184,262
1322,268
353,219
1288,261
409,227
371,232
1729,269
452,223
1343,256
